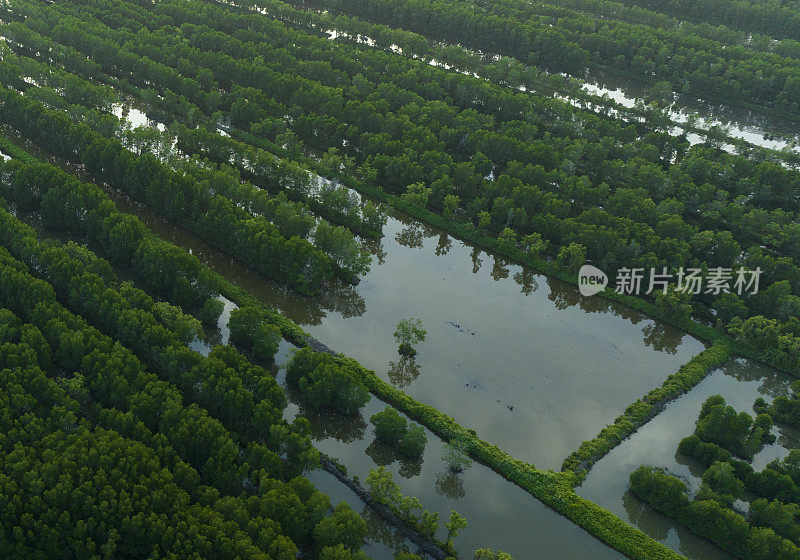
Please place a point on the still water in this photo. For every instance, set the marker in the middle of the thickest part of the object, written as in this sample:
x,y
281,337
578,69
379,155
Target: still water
x,y
500,515
740,382
523,359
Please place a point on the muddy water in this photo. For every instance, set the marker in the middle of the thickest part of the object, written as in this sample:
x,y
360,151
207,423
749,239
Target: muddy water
x,y
740,382
524,360
521,358
500,515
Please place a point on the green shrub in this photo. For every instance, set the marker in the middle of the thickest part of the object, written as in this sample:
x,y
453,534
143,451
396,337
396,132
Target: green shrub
x,y
325,382
390,426
413,443
210,311
251,331
736,432
641,411
659,489
709,519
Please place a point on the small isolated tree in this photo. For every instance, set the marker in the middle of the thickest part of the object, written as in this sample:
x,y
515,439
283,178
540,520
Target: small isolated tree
x,y
455,455
325,381
383,488
454,525
408,333
413,443
390,426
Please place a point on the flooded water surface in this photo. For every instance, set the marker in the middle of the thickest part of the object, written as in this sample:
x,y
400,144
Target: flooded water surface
x,y
740,382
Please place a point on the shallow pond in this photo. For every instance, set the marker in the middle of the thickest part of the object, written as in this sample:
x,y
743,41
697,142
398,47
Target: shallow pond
x,y
524,360
500,515
740,382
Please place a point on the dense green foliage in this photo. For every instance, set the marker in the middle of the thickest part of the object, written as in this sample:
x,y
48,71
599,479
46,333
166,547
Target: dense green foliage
x,y
178,197
771,527
530,176
325,381
736,432
251,331
568,40
333,202
784,408
135,413
392,428
780,480
386,491
708,518
66,203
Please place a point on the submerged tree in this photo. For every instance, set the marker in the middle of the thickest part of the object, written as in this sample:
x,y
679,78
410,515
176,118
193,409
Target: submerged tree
x,y
408,333
454,525
455,455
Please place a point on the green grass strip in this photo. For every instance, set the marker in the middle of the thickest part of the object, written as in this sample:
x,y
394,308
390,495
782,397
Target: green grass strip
x,y
647,407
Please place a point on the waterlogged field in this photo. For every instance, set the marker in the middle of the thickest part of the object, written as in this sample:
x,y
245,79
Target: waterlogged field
x,y
499,514
236,162
540,413
740,382
523,359
567,367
